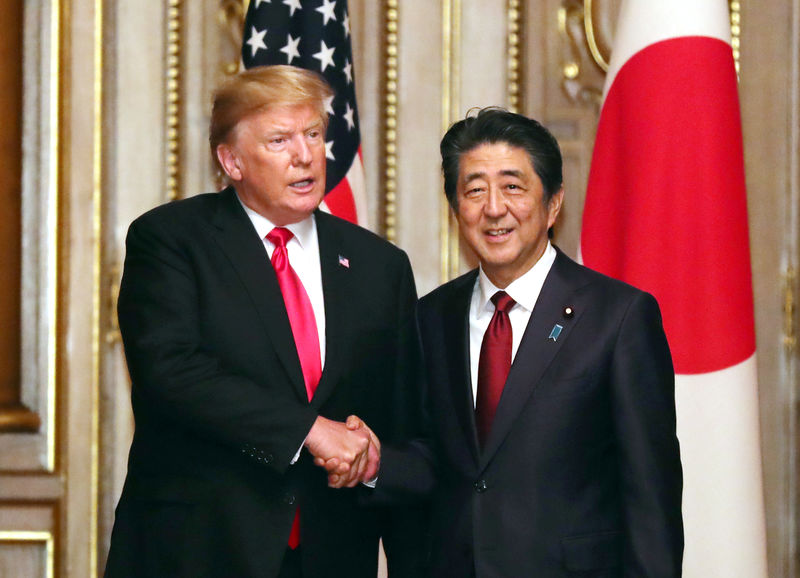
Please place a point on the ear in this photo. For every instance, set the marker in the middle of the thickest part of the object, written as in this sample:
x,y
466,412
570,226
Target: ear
x,y
554,207
229,162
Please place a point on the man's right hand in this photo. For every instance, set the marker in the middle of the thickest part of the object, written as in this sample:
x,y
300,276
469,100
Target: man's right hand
x,y
347,450
366,468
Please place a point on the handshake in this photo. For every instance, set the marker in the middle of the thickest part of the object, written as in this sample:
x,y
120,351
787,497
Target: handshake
x,y
349,451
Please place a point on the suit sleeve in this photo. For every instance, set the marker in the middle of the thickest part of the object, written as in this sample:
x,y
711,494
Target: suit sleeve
x,y
404,535
643,383
407,472
177,376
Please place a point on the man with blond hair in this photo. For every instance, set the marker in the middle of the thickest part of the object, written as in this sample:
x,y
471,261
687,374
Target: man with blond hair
x,y
253,326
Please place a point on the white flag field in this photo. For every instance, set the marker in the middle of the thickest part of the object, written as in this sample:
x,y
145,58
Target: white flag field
x,y
666,210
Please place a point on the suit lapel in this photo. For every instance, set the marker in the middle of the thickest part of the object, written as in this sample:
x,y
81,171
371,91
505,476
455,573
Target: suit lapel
x,y
337,282
537,348
237,238
455,327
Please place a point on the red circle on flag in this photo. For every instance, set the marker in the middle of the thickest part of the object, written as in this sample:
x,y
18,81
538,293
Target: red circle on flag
x,y
666,207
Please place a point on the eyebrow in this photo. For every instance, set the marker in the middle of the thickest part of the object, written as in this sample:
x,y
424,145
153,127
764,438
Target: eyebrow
x,y
482,175
285,129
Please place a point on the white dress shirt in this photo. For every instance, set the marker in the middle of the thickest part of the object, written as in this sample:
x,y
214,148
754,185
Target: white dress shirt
x,y
303,250
524,290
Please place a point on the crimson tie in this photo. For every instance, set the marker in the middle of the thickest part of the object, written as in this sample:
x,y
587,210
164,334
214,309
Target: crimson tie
x,y
494,364
298,306
304,328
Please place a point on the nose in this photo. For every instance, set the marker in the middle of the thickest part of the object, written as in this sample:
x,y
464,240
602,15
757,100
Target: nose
x,y
301,152
495,204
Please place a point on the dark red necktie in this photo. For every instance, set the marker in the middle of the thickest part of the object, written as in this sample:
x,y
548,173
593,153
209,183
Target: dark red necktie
x,y
493,364
304,328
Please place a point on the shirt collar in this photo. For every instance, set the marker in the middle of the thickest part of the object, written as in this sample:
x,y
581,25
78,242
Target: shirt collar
x,y
524,289
302,231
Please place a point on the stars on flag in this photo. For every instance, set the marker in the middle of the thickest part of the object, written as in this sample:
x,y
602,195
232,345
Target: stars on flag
x,y
293,5
290,50
329,105
256,40
348,116
325,56
346,25
326,10
348,71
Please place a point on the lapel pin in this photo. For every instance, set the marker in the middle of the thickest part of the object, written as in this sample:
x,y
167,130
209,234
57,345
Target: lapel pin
x,y
344,261
555,332
568,312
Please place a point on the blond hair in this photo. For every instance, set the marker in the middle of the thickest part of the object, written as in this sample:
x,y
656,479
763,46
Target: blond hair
x,y
260,88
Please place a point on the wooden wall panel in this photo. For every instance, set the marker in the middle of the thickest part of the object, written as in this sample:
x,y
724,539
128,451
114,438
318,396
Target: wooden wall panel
x,y
10,196
24,558
768,91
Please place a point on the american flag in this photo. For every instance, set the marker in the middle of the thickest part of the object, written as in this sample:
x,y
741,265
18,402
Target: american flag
x,y
315,34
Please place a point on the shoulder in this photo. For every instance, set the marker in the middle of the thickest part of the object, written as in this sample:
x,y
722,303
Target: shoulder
x,y
607,293
460,287
590,280
355,238
173,213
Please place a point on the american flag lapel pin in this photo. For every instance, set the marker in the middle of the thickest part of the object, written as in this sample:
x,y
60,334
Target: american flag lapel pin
x,y
344,261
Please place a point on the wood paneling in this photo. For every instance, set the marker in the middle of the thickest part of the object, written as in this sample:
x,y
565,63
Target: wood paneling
x,y
10,197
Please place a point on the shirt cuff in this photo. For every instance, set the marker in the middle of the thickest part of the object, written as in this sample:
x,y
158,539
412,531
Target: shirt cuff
x,y
297,455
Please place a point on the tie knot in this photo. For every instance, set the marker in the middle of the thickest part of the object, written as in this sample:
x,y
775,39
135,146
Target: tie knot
x,y
503,301
279,236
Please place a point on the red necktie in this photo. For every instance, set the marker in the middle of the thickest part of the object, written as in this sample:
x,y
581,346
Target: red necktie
x,y
304,328
298,306
494,364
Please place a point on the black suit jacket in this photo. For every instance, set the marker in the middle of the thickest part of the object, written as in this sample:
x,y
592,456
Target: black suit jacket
x,y
219,401
581,472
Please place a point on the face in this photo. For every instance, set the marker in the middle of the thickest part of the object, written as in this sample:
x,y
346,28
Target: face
x,y
276,161
501,214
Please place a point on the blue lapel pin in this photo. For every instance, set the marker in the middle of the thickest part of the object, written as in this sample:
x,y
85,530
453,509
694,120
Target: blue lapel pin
x,y
555,332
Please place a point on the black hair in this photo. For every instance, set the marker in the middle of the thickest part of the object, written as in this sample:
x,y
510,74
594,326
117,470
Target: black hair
x,y
497,125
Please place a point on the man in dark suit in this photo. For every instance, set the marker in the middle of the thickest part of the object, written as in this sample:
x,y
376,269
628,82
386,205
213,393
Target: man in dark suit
x,y
253,325
564,462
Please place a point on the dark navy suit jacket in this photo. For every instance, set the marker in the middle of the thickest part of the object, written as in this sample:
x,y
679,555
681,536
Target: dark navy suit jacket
x,y
581,473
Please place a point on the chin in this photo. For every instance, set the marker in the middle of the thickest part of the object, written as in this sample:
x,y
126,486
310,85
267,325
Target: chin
x,y
306,208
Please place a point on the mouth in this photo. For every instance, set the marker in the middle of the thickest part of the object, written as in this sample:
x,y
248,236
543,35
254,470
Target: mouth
x,y
498,233
303,186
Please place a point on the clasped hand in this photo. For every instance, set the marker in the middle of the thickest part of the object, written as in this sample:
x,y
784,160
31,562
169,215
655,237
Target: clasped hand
x,y
349,451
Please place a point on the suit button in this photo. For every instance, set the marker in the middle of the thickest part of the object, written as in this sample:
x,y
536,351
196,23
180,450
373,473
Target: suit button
x,y
289,499
481,486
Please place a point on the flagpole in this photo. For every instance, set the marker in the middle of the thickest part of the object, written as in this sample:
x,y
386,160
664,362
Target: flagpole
x,y
451,79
